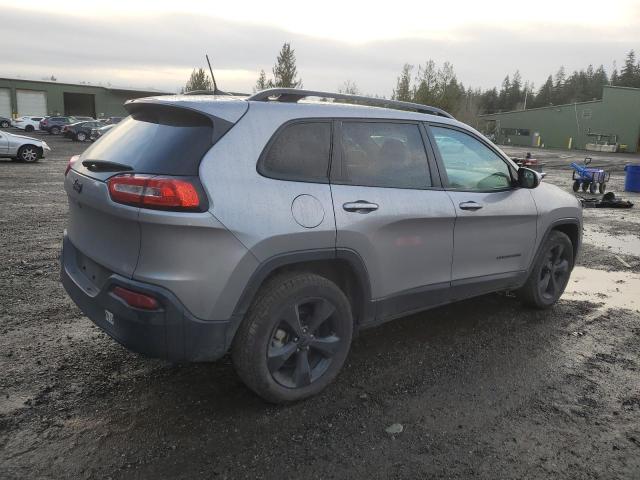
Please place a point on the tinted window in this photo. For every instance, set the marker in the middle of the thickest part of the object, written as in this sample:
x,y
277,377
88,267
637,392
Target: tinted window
x,y
299,152
470,164
383,155
156,139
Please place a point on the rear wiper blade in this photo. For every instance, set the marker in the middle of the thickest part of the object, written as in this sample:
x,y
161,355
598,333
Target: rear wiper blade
x,y
104,166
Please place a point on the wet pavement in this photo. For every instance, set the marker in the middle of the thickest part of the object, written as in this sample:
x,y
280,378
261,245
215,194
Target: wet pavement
x,y
484,388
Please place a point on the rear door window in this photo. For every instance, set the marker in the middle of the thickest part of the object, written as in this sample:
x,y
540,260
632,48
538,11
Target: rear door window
x,y
300,152
157,140
382,154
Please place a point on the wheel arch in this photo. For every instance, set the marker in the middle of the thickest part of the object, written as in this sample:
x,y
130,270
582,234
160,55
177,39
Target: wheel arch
x,y
344,267
570,227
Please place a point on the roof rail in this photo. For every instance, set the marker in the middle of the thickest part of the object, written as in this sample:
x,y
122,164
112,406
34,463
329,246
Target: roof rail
x,y
293,95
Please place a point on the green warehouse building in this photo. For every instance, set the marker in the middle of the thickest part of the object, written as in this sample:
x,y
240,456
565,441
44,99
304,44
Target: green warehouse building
x,y
20,97
611,124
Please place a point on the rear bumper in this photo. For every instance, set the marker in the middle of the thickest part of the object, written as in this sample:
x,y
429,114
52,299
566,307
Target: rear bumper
x,y
170,332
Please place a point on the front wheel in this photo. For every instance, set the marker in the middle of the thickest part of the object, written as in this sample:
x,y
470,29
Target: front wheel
x,y
4,124
550,274
593,188
54,130
576,186
603,187
28,153
585,186
81,136
295,337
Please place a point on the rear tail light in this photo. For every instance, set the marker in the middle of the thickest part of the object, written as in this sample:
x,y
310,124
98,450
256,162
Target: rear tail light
x,y
136,299
72,160
156,192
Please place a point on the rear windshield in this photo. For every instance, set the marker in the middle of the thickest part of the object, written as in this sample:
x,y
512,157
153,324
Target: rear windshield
x,y
157,140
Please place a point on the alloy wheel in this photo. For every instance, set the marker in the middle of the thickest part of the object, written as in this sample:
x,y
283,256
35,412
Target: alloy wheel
x,y
303,342
29,154
554,273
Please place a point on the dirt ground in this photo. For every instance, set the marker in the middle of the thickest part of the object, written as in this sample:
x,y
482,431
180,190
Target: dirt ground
x,y
483,388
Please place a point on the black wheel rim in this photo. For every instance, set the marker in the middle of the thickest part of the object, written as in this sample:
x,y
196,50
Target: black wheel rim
x,y
304,342
554,273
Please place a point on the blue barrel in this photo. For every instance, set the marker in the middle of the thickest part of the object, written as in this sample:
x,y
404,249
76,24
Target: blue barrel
x,y
632,178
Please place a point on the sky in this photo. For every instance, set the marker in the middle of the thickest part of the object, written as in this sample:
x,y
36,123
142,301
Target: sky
x,y
156,44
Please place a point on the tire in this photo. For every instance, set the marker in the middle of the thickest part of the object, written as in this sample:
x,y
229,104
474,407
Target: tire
x,y
278,352
576,186
4,124
593,188
29,154
585,186
81,136
54,130
550,273
29,128
603,187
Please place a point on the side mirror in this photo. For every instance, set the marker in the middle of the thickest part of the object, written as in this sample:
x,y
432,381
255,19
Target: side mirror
x,y
528,178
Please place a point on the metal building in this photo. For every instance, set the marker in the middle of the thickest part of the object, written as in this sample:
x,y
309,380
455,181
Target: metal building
x,y
610,124
20,97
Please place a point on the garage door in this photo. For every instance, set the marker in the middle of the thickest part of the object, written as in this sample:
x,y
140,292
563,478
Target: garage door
x,y
5,103
31,102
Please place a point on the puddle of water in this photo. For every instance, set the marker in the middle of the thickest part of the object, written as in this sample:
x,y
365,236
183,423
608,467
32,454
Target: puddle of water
x,y
626,244
612,289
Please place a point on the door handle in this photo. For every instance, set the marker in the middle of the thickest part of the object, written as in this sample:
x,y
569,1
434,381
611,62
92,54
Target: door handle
x,y
470,206
360,206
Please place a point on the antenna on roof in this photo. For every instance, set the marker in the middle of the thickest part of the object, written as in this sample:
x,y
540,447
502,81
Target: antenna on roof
x,y
215,85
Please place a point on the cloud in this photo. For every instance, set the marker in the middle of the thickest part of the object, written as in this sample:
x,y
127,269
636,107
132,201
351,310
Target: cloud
x,y
159,50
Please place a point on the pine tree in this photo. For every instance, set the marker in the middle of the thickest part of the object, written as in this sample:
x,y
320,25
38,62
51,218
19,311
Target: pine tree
x,y
262,83
198,81
403,85
285,72
544,97
503,96
630,73
425,90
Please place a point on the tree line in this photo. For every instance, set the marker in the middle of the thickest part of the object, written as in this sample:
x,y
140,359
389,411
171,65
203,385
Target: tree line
x,y
439,86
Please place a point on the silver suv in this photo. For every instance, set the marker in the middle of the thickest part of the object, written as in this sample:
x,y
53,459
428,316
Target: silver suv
x,y
275,228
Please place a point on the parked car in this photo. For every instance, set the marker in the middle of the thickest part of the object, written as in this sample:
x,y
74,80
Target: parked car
x,y
96,133
276,229
27,123
5,122
54,124
80,131
22,148
110,120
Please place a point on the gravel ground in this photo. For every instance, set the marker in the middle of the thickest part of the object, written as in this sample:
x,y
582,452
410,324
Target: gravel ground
x,y
483,388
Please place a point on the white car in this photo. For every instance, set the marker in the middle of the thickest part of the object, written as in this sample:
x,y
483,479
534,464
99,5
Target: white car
x,y
27,123
22,148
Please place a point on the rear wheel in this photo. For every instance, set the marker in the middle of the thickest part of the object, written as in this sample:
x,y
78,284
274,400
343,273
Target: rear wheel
x,y
28,153
603,187
81,136
576,186
4,124
550,274
29,128
294,339
54,130
593,188
585,186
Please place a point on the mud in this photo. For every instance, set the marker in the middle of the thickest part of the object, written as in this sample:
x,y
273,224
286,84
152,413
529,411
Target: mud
x,y
483,388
